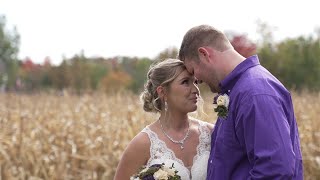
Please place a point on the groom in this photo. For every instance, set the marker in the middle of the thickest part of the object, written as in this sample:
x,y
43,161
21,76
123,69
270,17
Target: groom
x,y
258,138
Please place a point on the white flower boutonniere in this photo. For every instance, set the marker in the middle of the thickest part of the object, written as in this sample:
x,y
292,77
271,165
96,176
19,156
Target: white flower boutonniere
x,y
222,104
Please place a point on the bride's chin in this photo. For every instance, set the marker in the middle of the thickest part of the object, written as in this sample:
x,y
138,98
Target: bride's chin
x,y
194,109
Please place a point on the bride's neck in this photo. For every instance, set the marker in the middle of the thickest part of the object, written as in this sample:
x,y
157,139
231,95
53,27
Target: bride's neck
x,y
174,121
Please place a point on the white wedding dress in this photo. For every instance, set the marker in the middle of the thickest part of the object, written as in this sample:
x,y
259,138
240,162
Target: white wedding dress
x,y
160,153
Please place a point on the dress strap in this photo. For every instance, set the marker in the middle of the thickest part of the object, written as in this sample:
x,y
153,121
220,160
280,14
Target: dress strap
x,y
204,138
153,140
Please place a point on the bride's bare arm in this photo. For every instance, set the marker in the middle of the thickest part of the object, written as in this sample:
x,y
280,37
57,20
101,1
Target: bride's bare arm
x,y
135,155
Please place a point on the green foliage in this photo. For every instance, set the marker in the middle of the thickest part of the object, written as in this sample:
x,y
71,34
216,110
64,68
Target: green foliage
x,y
60,76
137,69
296,62
96,73
171,52
9,47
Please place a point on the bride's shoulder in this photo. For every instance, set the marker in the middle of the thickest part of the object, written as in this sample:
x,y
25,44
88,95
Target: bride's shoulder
x,y
210,126
141,139
140,143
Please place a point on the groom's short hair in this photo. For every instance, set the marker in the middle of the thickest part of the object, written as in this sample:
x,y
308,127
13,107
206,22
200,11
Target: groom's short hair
x,y
200,36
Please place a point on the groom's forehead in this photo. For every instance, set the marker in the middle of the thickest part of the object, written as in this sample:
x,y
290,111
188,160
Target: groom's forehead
x,y
192,63
189,66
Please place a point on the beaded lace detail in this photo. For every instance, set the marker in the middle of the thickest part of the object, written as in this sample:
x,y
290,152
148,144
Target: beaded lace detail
x,y
204,140
160,152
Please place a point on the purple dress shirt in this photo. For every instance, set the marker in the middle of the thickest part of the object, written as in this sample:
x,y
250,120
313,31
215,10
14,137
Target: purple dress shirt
x,y
259,139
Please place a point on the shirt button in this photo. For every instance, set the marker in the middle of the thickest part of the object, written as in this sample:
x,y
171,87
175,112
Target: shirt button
x,y
211,161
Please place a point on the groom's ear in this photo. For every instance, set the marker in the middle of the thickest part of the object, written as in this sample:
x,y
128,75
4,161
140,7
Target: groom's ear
x,y
203,53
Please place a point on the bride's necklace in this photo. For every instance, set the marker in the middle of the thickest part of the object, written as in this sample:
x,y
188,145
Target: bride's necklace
x,y
181,142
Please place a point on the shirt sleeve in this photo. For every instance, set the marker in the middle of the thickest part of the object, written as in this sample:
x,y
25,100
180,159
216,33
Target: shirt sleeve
x,y
263,130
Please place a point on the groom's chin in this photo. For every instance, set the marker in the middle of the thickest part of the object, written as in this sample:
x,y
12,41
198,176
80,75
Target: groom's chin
x,y
214,90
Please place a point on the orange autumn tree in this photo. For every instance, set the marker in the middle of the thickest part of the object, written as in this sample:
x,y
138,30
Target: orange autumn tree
x,y
243,45
116,81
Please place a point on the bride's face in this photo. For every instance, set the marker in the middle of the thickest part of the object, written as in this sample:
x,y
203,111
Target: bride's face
x,y
183,93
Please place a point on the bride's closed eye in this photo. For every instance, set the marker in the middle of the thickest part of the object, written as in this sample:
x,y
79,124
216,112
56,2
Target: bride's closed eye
x,y
186,81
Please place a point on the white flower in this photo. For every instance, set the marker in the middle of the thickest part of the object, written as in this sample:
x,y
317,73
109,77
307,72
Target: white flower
x,y
223,100
171,172
134,178
221,105
160,175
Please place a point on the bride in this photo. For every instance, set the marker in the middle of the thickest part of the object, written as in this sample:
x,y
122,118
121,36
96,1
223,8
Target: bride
x,y
174,137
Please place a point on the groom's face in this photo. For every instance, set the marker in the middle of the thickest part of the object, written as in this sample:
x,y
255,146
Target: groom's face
x,y
201,70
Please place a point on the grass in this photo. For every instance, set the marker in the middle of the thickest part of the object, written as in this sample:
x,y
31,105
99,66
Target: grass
x,y
46,136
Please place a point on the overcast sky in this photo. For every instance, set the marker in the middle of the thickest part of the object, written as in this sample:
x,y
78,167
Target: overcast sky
x,y
143,28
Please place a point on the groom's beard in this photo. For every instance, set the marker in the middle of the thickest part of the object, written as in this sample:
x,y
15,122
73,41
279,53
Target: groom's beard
x,y
214,88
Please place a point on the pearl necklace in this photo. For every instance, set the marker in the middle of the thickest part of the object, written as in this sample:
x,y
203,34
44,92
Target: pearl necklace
x,y
181,142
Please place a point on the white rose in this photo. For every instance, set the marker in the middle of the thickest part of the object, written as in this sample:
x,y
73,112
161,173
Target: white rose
x,y
227,100
220,101
169,171
223,100
133,178
160,175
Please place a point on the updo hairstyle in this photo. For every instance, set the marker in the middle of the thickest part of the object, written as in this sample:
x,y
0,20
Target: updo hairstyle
x,y
159,74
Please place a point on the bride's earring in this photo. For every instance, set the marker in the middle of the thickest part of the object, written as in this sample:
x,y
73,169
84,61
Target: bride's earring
x,y
165,109
166,106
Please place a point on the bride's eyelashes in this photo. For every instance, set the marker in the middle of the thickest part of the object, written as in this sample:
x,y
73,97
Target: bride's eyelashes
x,y
186,81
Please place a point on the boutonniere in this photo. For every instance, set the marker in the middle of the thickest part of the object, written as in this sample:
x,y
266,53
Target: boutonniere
x,y
221,103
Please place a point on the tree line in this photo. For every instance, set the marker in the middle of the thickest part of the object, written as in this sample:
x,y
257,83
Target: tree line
x,y
295,62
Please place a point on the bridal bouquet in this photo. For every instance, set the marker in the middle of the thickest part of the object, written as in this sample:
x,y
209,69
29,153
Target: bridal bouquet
x,y
156,172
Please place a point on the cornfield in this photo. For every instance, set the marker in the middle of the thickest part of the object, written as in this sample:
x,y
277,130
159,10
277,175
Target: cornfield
x,y
47,136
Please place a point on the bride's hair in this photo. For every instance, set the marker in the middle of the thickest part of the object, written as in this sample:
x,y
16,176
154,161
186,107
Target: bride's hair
x,y
159,74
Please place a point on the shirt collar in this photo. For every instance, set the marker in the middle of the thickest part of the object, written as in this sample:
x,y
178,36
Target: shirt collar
x,y
228,82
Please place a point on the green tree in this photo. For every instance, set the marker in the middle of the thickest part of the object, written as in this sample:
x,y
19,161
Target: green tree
x,y
300,67
140,74
294,61
137,68
97,71
9,48
171,52
60,76
80,73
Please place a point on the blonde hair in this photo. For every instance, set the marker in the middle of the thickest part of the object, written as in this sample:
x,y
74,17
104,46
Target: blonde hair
x,y
200,36
160,74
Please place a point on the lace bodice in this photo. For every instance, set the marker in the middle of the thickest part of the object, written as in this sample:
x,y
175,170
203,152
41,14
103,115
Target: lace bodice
x,y
160,153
